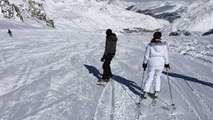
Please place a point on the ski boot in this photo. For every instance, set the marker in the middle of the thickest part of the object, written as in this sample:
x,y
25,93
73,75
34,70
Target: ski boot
x,y
156,94
145,95
101,82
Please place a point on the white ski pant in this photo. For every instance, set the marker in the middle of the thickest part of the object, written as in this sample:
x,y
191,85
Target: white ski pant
x,y
154,73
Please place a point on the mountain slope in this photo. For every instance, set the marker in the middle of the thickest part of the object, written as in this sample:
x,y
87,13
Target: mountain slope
x,y
87,15
195,16
30,12
53,75
99,15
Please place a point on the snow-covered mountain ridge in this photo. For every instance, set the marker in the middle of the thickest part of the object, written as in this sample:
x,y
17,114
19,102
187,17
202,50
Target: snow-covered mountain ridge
x,y
84,14
193,16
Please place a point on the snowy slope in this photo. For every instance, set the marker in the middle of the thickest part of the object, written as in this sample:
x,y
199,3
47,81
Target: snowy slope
x,y
49,74
198,17
195,16
87,15
98,15
190,15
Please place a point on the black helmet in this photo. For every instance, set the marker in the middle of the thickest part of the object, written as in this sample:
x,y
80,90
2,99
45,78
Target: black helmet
x,y
108,31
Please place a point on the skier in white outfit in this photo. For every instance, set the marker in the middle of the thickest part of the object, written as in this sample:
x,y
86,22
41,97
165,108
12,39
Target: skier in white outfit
x,y
156,58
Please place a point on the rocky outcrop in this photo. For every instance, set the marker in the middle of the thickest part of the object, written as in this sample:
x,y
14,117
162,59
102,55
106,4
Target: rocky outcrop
x,y
169,16
180,32
10,11
138,30
35,9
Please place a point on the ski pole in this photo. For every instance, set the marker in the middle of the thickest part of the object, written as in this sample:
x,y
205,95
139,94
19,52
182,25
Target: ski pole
x,y
170,91
142,84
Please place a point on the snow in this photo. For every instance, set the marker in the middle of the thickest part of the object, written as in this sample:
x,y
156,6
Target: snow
x,y
196,16
51,74
99,16
197,47
86,15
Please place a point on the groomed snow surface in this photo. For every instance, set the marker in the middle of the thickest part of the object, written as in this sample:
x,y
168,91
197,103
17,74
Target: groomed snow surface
x,y
51,75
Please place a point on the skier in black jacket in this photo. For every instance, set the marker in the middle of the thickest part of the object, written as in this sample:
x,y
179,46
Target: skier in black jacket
x,y
109,53
10,32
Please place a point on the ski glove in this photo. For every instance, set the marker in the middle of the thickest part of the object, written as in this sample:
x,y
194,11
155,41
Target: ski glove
x,y
144,66
103,58
167,66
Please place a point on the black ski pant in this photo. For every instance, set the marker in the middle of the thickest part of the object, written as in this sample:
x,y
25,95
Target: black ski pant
x,y
107,74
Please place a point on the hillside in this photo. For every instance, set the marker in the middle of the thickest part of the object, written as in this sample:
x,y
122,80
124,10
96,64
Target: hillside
x,y
193,16
50,73
117,14
90,15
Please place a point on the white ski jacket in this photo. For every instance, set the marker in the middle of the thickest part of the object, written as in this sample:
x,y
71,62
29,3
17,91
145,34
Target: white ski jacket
x,y
156,54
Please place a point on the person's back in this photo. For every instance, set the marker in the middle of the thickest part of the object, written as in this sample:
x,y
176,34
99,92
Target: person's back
x,y
111,41
158,54
155,57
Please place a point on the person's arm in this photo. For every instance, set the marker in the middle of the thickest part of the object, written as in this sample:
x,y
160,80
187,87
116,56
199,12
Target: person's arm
x,y
107,47
166,56
146,57
106,51
146,54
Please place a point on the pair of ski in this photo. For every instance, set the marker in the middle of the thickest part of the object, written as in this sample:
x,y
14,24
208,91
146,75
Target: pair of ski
x,y
146,106
143,101
101,83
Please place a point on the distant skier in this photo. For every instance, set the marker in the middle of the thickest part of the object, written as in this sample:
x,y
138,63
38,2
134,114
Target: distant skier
x,y
10,32
109,53
156,58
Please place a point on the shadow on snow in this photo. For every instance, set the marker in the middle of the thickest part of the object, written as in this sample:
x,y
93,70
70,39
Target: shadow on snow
x,y
94,71
175,75
128,83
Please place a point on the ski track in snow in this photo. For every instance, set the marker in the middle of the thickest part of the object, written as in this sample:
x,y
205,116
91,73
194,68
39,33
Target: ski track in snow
x,y
195,97
53,74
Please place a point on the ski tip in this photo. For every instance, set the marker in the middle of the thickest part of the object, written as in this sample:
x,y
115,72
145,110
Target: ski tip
x,y
170,108
100,84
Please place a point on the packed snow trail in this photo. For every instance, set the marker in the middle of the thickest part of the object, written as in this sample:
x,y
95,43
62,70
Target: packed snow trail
x,y
49,74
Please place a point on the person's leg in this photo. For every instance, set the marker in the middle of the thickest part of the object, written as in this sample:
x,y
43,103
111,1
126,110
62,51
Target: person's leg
x,y
149,80
106,68
110,72
158,73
